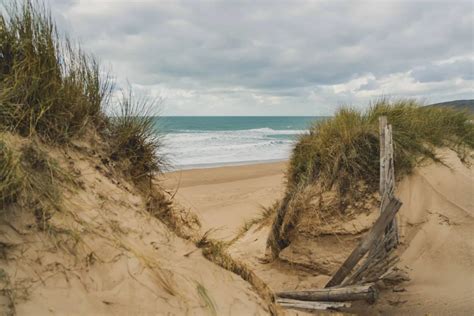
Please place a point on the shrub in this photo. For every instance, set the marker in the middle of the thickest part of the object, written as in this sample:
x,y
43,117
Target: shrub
x,y
47,84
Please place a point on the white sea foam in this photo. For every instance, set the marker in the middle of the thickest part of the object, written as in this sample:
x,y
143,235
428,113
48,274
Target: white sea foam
x,y
188,149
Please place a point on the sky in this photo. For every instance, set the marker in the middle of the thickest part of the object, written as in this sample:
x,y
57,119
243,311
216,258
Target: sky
x,y
278,57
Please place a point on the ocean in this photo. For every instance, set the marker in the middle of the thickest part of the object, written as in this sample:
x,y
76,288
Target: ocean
x,y
209,141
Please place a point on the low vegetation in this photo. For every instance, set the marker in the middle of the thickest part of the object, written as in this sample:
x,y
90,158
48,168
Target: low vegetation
x,y
341,151
48,85
28,178
51,89
134,137
10,175
216,251
52,94
341,154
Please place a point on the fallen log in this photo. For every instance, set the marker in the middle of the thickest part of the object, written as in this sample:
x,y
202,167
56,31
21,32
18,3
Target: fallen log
x,y
367,242
311,306
339,294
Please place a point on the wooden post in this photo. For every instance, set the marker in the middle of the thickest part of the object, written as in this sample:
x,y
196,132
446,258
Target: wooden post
x,y
367,242
339,294
382,126
389,188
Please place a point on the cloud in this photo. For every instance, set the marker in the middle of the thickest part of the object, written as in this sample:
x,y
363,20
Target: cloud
x,y
279,57
462,68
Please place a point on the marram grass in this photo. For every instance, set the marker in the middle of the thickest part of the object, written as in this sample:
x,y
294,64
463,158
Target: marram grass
x,y
341,151
48,85
134,139
341,154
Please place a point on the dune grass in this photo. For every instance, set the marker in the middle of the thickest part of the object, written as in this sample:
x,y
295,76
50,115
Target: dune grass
x,y
51,92
11,177
341,151
216,251
134,138
28,177
51,88
341,154
48,85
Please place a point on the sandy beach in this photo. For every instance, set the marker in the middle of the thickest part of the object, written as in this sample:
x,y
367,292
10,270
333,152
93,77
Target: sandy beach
x,y
225,197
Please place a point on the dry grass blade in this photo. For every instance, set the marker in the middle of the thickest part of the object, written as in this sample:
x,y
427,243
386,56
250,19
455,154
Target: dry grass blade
x,y
204,295
11,176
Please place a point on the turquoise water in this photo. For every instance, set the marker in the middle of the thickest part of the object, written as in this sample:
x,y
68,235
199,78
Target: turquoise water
x,y
234,123
205,141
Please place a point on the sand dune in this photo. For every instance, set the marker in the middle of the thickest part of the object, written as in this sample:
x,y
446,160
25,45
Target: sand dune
x,y
104,254
436,223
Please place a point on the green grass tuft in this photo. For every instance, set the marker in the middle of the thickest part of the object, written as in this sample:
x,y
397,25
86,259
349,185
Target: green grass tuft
x,y
135,140
48,85
343,150
29,177
341,155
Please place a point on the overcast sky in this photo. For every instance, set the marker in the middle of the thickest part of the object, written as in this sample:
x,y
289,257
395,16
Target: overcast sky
x,y
279,58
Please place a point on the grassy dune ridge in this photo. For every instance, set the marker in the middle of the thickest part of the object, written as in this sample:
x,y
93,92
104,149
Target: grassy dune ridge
x,y
51,89
345,149
341,155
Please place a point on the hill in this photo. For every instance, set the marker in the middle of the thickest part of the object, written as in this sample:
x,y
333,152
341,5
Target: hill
x,y
456,104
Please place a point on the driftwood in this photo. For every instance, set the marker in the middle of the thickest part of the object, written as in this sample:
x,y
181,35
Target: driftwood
x,y
367,242
311,306
377,247
374,266
340,294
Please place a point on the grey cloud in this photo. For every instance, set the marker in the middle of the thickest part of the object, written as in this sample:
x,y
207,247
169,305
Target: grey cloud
x,y
278,48
463,69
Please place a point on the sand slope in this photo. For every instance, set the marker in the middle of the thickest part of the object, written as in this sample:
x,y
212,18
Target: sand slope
x,y
437,230
103,254
437,225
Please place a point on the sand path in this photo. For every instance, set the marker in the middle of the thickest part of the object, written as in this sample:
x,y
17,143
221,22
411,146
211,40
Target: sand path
x,y
224,198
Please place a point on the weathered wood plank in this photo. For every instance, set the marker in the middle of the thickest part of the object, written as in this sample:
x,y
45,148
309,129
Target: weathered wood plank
x,y
382,125
389,190
339,294
366,243
311,306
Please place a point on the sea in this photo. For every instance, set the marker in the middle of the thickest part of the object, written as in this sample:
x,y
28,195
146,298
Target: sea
x,y
211,141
